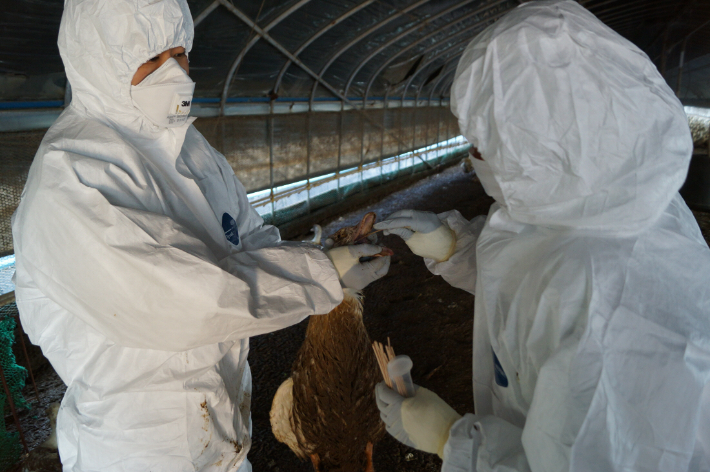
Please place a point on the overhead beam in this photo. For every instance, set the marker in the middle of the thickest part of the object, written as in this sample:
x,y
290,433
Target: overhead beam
x,y
430,61
317,35
249,45
438,80
205,13
265,35
239,14
475,26
417,27
362,36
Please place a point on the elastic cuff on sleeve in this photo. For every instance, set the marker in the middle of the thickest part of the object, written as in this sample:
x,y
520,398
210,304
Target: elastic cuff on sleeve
x,y
461,450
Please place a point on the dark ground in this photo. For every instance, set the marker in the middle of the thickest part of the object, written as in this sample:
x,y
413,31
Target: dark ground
x,y
425,318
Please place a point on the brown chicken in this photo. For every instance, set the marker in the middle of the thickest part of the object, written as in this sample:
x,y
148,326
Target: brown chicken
x,y
326,410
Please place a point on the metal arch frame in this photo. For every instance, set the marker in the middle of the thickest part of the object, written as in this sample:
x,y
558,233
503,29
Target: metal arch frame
x,y
424,38
344,100
617,9
415,28
431,48
632,11
416,100
362,36
239,14
441,103
416,106
448,84
429,62
317,35
438,81
444,73
628,17
235,66
205,13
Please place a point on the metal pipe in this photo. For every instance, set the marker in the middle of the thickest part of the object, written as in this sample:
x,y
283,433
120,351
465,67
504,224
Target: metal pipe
x,y
428,120
270,138
205,13
317,35
438,127
239,14
632,14
235,66
443,74
672,46
680,66
680,12
340,145
362,143
365,34
414,122
433,59
664,52
613,5
416,28
401,51
384,123
308,162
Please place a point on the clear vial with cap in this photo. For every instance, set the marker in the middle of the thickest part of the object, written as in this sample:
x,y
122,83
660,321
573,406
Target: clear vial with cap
x,y
399,369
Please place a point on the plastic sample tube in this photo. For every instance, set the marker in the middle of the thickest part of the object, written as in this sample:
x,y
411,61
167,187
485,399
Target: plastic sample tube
x,y
399,369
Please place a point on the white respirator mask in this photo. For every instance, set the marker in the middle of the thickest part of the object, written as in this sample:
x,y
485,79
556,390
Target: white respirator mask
x,y
165,96
489,182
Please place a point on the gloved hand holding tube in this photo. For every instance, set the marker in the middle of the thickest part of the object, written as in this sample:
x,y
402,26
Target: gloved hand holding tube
x,y
422,421
353,273
423,232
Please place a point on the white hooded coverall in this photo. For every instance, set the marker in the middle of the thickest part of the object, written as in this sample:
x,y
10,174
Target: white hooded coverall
x,y
130,274
592,280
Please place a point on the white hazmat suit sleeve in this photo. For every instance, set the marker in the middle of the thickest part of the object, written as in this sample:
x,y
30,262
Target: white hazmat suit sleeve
x,y
145,280
459,270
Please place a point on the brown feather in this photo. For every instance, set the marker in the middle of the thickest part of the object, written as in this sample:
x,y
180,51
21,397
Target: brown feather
x,y
334,378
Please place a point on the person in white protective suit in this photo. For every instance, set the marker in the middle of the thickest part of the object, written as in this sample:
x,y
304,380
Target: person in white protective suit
x,y
592,312
142,270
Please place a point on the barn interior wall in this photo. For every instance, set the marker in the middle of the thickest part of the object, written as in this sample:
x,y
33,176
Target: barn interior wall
x,y
266,151
303,145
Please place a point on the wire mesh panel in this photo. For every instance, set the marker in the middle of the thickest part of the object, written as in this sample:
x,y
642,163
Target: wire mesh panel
x,y
307,145
268,151
244,142
18,150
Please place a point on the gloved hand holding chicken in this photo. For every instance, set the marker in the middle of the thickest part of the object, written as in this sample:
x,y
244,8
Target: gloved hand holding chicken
x,y
422,421
354,273
423,232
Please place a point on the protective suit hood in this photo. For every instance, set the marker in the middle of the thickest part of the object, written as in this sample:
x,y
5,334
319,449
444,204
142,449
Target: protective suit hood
x,y
579,128
102,44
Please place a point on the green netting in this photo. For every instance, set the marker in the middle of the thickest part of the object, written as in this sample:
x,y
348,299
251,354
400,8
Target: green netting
x,y
10,447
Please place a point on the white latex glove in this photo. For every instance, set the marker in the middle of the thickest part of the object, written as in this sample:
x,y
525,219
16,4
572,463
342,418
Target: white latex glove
x,y
353,273
422,421
423,232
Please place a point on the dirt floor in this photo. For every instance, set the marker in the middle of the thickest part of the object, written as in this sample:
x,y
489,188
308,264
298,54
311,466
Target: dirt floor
x,y
425,318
